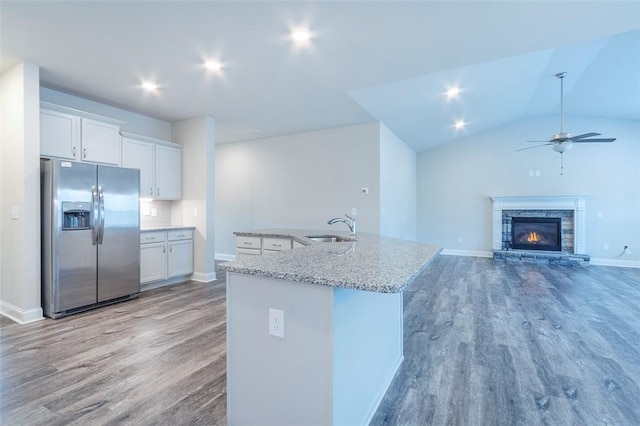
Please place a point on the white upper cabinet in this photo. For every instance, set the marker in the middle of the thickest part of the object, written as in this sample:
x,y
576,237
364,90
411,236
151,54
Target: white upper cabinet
x,y
140,155
79,136
100,142
160,165
168,170
59,134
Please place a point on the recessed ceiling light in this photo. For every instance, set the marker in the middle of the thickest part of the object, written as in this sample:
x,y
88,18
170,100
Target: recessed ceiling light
x,y
300,35
213,65
149,86
453,92
459,124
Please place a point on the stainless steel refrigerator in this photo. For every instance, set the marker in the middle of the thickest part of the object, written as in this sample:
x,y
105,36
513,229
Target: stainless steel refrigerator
x,y
90,235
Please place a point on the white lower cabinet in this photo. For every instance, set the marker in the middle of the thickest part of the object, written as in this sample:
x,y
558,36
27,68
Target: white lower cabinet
x,y
165,254
153,262
180,255
254,246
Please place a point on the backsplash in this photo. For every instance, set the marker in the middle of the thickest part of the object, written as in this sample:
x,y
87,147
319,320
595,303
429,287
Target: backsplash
x,y
162,211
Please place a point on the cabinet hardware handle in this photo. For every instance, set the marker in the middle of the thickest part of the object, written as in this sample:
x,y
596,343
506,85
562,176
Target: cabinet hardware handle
x,y
181,235
151,190
277,245
164,249
84,153
157,192
74,152
170,249
248,243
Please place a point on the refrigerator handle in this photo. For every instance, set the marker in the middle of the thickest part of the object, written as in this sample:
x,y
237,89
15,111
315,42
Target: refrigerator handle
x,y
101,202
94,208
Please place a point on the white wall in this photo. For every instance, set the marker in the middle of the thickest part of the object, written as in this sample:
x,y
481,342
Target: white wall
x,y
134,123
297,181
198,190
398,187
455,181
20,168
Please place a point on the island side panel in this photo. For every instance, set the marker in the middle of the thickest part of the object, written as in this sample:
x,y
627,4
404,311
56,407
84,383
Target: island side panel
x,y
272,380
367,335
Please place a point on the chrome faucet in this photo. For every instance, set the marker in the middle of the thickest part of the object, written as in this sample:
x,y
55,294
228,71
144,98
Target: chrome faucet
x,y
351,223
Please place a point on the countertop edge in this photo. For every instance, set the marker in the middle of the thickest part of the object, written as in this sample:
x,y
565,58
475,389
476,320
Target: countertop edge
x,y
167,228
309,276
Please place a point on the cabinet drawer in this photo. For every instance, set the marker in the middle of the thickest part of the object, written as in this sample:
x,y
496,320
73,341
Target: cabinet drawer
x,y
185,234
153,237
276,244
248,242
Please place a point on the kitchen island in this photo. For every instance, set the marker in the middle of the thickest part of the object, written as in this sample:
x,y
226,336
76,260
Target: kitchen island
x,y
338,306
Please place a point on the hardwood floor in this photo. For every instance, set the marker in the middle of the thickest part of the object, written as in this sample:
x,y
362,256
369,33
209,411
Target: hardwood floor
x,y
485,344
518,344
159,359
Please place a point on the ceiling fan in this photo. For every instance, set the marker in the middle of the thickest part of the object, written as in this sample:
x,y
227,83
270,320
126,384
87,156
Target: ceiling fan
x,y
562,141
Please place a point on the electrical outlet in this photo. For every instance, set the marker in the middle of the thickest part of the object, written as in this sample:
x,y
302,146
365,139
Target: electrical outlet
x,y
154,212
276,323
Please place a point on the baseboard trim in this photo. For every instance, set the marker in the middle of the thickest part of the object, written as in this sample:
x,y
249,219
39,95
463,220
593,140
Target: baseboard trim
x,y
20,315
616,262
383,391
204,277
471,253
225,257
164,283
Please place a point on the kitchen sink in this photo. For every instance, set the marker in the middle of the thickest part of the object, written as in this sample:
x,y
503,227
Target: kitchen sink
x,y
327,238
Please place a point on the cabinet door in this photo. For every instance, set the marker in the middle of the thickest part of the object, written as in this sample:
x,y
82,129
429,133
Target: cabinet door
x,y
168,173
180,258
100,142
246,253
59,135
153,264
139,155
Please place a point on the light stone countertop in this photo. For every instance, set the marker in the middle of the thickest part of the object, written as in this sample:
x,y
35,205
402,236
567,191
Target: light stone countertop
x,y
371,263
165,228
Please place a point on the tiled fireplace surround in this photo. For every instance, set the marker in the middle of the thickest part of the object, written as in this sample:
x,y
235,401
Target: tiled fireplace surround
x,y
570,208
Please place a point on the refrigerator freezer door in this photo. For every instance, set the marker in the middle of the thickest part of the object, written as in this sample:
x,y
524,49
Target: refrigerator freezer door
x,y
69,263
119,238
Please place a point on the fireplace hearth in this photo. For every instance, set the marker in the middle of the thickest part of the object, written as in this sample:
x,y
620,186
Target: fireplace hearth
x,y
536,233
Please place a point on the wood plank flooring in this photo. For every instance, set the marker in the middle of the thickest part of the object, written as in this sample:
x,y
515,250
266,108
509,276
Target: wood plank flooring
x,y
518,344
159,359
485,344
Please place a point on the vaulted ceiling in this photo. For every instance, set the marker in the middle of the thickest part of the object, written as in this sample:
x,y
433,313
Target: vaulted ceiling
x,y
390,61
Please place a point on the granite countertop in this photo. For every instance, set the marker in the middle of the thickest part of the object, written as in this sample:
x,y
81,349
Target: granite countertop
x,y
165,228
371,263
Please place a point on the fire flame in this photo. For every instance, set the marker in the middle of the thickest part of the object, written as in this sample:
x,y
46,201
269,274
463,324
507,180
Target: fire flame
x,y
533,237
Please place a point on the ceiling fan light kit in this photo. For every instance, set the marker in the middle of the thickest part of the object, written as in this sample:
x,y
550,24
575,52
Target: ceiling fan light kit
x,y
562,142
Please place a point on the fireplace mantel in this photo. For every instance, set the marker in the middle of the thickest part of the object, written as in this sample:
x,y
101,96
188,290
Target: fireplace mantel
x,y
537,202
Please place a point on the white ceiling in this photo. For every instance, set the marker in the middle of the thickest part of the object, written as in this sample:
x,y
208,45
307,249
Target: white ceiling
x,y
382,60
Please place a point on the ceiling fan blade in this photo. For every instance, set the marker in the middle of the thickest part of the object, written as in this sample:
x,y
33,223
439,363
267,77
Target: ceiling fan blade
x,y
539,141
595,140
585,135
531,147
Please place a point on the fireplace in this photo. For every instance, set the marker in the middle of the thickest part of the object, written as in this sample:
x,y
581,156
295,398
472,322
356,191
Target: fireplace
x,y
570,208
536,233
